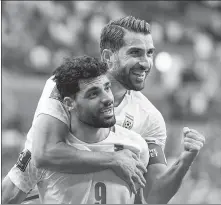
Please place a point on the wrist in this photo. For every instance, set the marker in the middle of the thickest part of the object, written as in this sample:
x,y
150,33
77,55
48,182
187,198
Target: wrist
x,y
112,161
188,157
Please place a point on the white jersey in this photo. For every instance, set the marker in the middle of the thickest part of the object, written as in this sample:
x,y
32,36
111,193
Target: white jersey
x,y
49,104
99,187
103,187
135,112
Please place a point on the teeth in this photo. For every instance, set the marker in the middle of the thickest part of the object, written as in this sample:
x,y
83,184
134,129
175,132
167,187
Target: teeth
x,y
107,111
139,74
140,77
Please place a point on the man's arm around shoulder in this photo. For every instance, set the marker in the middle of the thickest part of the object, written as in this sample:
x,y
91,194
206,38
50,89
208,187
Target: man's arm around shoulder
x,y
51,152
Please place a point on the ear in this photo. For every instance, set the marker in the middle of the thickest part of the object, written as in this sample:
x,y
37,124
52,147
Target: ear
x,y
69,103
107,56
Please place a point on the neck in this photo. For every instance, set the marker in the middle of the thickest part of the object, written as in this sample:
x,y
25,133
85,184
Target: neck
x,y
118,90
87,133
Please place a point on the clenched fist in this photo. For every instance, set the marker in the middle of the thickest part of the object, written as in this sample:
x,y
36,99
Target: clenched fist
x,y
193,140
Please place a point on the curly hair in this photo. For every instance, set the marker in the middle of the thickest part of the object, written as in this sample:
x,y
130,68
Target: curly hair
x,y
113,33
68,74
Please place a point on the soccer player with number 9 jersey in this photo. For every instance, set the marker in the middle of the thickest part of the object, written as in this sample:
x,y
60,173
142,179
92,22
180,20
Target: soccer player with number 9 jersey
x,y
92,111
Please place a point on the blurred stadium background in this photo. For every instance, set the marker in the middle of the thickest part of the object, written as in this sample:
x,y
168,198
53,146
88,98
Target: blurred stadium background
x,y
184,84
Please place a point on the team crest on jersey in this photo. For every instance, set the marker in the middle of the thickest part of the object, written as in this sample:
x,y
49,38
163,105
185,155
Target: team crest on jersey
x,y
118,147
23,160
129,121
55,94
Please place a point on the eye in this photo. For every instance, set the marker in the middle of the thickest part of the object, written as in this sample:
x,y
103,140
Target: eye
x,y
93,94
134,52
108,88
150,52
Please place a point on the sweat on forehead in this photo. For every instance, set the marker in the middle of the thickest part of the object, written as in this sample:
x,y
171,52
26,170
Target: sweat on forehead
x,y
100,80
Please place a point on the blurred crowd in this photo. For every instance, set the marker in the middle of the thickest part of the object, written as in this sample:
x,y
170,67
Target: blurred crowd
x,y
184,84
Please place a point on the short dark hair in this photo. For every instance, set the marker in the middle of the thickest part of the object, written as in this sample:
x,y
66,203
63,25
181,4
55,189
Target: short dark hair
x,y
113,33
68,74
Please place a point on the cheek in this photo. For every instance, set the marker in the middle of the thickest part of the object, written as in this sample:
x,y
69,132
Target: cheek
x,y
82,109
89,107
131,63
124,61
84,113
128,63
151,62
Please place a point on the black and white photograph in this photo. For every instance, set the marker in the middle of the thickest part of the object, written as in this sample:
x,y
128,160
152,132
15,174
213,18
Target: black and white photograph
x,y
111,102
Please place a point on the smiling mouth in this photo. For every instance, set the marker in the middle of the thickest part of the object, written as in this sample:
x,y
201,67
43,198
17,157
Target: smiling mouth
x,y
107,111
140,74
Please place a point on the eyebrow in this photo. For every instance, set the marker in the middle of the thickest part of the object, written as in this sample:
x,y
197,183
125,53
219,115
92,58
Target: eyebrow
x,y
95,87
92,89
153,48
107,83
139,48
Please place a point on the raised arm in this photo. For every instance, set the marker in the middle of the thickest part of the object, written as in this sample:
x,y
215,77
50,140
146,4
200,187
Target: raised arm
x,y
163,183
49,151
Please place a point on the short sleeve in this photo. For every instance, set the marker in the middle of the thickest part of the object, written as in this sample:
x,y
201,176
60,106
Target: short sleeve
x,y
51,104
55,109
24,174
155,129
145,156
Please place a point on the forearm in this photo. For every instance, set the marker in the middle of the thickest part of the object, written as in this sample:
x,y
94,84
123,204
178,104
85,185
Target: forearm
x,y
10,193
166,186
67,159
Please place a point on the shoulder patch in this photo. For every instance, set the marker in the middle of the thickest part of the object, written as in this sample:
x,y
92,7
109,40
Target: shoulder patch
x,y
23,160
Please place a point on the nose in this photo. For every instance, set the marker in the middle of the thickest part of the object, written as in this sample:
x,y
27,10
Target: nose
x,y
107,98
146,63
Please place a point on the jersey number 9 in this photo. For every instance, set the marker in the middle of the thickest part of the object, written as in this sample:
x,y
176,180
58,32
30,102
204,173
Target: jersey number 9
x,y
100,193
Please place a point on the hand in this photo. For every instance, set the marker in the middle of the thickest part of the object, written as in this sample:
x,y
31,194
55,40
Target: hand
x,y
193,140
129,168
